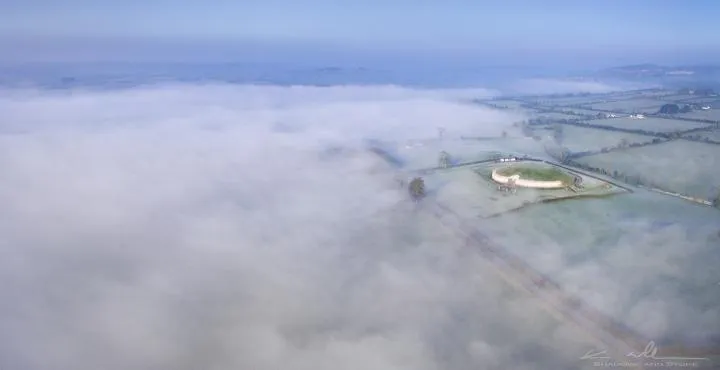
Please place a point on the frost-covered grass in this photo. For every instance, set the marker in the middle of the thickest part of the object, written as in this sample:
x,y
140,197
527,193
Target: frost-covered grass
x,y
552,115
576,111
682,166
579,139
649,124
677,97
707,100
571,100
712,135
631,105
711,114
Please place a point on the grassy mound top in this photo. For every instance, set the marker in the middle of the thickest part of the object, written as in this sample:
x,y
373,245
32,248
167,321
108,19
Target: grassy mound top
x,y
537,173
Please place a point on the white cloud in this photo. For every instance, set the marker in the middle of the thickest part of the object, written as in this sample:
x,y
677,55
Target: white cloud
x,y
563,86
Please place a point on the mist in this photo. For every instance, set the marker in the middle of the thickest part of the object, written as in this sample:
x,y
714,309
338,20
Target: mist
x,y
219,226
569,86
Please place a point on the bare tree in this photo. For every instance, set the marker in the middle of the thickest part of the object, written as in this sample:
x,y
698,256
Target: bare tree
x,y
417,188
565,155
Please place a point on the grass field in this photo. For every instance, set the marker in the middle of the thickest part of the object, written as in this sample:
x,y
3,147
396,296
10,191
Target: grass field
x,y
553,115
654,94
579,139
708,100
649,124
682,166
599,98
712,114
574,100
631,105
576,111
712,135
537,172
677,97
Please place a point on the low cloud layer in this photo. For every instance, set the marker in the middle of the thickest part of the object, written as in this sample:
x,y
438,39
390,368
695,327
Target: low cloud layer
x,y
214,227
568,86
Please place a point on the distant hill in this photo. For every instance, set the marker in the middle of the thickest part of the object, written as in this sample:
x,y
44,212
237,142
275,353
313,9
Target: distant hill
x,y
649,69
637,69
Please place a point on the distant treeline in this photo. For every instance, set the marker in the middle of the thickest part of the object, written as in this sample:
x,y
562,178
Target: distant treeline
x,y
666,113
701,139
678,118
621,146
586,124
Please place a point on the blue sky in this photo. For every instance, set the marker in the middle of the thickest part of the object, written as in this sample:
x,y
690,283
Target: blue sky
x,y
459,26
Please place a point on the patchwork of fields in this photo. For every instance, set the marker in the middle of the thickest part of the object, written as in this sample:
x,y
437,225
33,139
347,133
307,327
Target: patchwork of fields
x,y
651,124
677,97
553,115
578,111
579,139
682,166
712,114
630,106
574,100
712,100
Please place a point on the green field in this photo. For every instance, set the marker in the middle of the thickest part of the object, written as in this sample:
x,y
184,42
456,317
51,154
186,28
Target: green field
x,y
574,100
650,124
552,115
580,139
677,97
712,101
713,135
631,105
581,111
681,166
538,173
712,114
